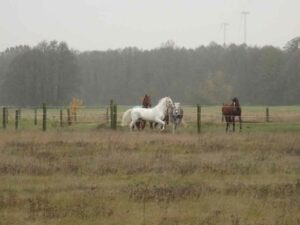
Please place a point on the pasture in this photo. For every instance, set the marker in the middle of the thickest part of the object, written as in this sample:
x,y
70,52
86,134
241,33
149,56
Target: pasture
x,y
88,174
108,177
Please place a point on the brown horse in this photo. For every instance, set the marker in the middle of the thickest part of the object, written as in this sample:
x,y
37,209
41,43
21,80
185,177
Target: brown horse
x,y
146,103
230,111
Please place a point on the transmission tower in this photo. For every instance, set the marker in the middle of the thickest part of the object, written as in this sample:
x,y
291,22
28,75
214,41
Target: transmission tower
x,y
245,14
224,25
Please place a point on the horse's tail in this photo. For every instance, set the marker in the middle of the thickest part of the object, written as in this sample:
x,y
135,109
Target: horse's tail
x,y
126,118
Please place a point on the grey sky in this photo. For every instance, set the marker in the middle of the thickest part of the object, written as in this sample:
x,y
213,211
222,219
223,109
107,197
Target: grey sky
x,y
111,24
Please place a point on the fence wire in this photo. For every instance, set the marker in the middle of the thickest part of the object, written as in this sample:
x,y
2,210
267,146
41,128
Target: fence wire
x,y
100,116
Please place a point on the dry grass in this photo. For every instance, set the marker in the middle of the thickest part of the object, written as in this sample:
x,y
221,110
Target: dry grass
x,y
148,178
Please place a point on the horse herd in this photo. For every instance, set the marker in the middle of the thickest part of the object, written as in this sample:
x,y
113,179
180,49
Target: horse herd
x,y
167,111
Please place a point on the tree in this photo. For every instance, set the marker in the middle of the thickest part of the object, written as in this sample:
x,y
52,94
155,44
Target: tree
x,y
53,73
292,45
266,85
290,81
215,89
46,73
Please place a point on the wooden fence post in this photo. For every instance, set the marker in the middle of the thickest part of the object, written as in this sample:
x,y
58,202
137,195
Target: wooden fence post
x,y
198,119
111,114
69,117
4,118
107,115
61,117
17,119
35,117
267,115
44,117
115,116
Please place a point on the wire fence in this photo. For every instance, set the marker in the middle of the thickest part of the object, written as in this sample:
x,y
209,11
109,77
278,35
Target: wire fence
x,y
107,116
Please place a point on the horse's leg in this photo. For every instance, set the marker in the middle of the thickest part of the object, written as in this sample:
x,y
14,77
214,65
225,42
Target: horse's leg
x,y
132,125
162,123
233,123
173,128
240,120
138,125
135,121
143,124
177,122
167,119
227,119
159,125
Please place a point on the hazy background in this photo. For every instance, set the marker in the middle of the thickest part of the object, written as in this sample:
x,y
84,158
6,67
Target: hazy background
x,y
110,24
53,51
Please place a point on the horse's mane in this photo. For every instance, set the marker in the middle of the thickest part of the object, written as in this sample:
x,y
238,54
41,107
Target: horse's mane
x,y
162,99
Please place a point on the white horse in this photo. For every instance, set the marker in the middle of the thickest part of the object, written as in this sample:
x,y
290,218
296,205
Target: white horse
x,y
177,115
155,114
126,117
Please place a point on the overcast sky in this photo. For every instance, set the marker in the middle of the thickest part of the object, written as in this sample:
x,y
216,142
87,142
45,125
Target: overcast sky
x,y
111,24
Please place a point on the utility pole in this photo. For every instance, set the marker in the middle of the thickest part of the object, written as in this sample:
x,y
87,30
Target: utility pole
x,y
244,14
224,34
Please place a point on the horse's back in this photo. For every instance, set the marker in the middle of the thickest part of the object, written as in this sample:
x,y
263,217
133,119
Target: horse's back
x,y
229,110
145,113
226,108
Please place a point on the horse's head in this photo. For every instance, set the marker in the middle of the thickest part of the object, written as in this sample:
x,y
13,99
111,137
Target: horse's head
x,y
177,110
236,105
169,103
235,102
166,103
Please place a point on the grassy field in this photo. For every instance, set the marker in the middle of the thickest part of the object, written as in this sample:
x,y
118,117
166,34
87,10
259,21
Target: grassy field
x,y
104,177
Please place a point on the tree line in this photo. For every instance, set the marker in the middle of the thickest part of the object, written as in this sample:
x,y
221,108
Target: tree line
x,y
53,73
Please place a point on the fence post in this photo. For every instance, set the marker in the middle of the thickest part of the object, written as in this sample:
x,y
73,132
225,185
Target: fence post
x,y
267,115
107,115
69,117
4,118
44,117
199,119
17,119
61,117
115,116
35,116
111,114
